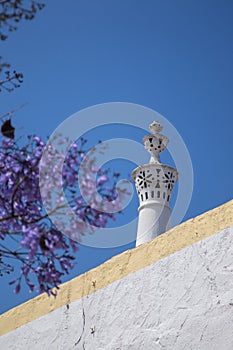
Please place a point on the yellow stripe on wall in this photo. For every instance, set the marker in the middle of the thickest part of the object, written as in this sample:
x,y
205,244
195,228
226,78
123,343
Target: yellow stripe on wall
x,y
121,265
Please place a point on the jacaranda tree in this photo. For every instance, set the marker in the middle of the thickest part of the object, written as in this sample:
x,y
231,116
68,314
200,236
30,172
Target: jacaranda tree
x,y
27,233
29,238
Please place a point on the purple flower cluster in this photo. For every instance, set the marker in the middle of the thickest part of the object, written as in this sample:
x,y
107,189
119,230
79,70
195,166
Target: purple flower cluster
x,y
27,233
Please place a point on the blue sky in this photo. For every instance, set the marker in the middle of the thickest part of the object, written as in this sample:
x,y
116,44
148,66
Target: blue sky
x,y
172,56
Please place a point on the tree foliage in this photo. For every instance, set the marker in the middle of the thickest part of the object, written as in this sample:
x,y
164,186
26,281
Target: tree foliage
x,y
27,233
10,79
29,238
11,13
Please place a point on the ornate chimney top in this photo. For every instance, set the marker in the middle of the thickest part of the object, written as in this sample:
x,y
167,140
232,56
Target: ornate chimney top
x,y
154,184
155,143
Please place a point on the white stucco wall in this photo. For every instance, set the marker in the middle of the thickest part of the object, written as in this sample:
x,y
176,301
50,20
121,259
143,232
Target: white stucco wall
x,y
182,302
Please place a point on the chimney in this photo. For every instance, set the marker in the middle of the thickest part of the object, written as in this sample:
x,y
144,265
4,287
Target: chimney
x,y
154,184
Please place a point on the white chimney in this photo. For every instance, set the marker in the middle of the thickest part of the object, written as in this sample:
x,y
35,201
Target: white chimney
x,y
154,183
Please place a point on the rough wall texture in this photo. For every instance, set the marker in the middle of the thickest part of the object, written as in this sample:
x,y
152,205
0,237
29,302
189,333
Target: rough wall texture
x,y
183,301
122,265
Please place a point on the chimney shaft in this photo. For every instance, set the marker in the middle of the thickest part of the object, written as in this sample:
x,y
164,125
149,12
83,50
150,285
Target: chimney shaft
x,y
154,183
